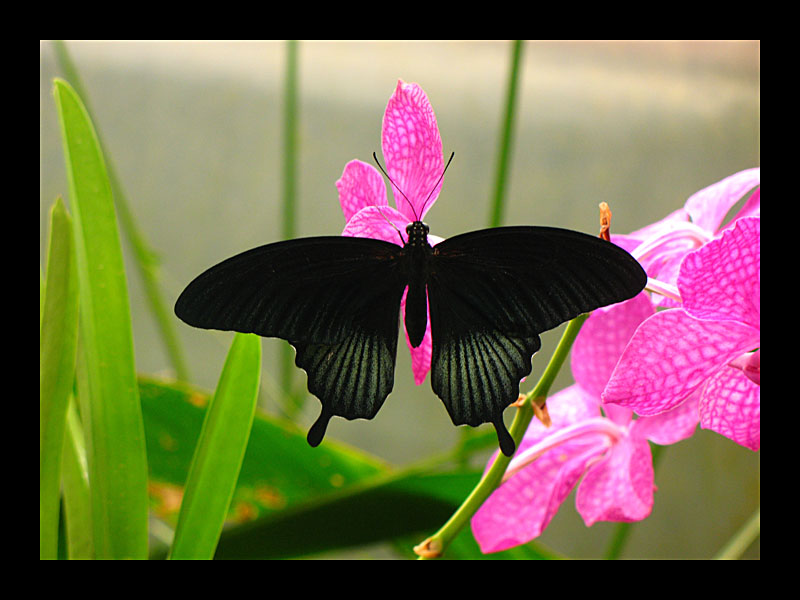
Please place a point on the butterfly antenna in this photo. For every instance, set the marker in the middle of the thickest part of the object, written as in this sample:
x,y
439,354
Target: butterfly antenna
x,y
375,156
452,154
393,225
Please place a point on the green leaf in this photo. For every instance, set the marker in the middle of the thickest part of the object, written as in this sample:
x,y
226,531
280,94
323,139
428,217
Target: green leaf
x,y
279,470
219,452
58,335
108,396
378,509
75,486
145,258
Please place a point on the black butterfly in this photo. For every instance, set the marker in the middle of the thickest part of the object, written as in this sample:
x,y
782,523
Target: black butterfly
x,y
337,300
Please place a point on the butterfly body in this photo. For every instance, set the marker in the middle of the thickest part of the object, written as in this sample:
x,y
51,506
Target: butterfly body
x,y
490,293
417,252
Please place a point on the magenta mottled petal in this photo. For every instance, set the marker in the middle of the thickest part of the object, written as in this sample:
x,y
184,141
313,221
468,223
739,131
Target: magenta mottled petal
x,y
722,280
567,406
360,186
673,425
380,223
670,356
709,206
619,487
751,208
731,406
421,355
521,508
412,149
602,339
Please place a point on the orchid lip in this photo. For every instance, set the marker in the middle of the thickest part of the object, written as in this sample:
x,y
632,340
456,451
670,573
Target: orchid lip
x,y
663,288
610,431
680,232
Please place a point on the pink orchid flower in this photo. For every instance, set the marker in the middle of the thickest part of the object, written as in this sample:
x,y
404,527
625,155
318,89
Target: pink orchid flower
x,y
412,149
610,451
708,350
661,246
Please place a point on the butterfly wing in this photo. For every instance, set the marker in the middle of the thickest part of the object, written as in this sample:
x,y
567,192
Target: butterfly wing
x,y
335,299
492,292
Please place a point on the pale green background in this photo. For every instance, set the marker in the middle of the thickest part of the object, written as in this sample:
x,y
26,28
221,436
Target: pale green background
x,y
194,129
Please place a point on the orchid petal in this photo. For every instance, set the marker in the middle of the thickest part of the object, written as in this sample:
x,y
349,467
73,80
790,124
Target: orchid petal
x,y
421,355
620,486
602,339
750,364
670,356
722,280
521,508
731,406
709,206
568,406
751,208
668,223
360,186
381,223
412,149
671,426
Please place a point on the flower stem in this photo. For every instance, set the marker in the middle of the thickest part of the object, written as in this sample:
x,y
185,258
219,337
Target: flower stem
x,y
434,546
292,402
742,539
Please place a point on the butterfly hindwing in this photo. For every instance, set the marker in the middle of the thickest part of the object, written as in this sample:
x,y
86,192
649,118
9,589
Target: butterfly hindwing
x,y
335,299
492,292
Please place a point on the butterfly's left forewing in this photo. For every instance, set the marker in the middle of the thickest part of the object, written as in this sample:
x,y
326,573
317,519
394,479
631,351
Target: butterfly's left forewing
x,y
492,292
335,299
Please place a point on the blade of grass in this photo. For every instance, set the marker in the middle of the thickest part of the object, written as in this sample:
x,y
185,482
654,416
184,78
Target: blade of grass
x,y
146,259
75,485
57,346
504,149
218,456
109,399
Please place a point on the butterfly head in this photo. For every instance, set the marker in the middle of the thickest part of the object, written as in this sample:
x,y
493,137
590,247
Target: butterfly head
x,y
417,233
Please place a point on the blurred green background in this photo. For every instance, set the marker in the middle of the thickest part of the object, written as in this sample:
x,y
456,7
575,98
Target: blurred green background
x,y
194,130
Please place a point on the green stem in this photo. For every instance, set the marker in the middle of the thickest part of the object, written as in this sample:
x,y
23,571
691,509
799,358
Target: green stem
x,y
742,539
504,152
292,401
434,546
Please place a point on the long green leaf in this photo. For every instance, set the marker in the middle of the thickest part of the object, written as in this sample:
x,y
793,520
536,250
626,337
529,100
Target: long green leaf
x,y
219,452
108,395
57,344
145,258
75,489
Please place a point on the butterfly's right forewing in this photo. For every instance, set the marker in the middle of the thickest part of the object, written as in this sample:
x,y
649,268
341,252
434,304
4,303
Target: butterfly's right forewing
x,y
491,294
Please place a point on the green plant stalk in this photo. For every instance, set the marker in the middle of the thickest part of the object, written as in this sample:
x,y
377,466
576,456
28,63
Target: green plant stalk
x,y
292,401
741,541
146,259
58,340
108,393
504,149
438,542
219,452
